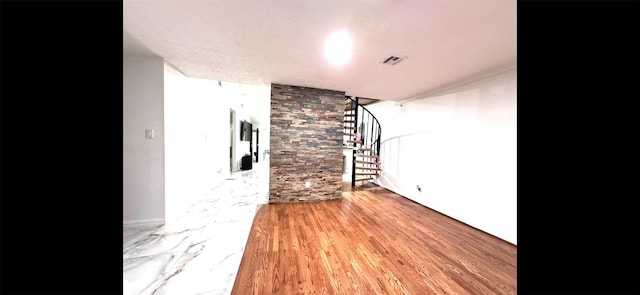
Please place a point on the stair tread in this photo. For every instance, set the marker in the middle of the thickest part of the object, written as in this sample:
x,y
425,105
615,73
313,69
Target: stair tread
x,y
365,149
354,141
366,156
349,115
367,178
349,121
366,173
366,162
368,168
347,127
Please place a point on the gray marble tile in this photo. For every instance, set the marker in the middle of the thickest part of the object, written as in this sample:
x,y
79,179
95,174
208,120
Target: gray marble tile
x,y
217,292
222,235
236,213
198,215
163,240
132,234
203,267
143,275
205,207
200,251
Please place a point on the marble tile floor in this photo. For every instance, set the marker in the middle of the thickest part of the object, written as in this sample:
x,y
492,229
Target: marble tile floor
x,y
199,252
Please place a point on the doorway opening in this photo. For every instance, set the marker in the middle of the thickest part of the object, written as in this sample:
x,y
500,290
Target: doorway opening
x,y
232,146
255,145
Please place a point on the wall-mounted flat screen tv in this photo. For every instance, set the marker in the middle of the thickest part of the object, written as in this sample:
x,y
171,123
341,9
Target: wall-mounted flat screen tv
x,y
245,131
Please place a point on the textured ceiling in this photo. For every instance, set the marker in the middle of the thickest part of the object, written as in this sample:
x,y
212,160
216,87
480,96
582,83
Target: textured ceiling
x,y
263,42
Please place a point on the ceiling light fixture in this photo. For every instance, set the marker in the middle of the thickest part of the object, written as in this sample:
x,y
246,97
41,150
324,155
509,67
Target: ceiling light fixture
x,y
338,47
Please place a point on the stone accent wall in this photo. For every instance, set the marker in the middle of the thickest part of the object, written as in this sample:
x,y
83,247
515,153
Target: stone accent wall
x,y
306,144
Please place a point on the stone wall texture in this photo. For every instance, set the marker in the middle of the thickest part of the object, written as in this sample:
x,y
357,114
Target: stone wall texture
x,y
306,144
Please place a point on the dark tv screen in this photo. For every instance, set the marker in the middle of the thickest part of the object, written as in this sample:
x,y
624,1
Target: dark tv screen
x,y
245,131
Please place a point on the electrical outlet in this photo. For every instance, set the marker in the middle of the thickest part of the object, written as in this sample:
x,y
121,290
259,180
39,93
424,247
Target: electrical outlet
x,y
419,188
307,184
148,133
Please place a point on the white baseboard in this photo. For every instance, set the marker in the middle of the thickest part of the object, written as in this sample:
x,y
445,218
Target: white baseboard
x,y
143,222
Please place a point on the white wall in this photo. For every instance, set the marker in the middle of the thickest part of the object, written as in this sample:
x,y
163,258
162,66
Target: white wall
x,y
197,139
197,136
233,95
249,101
258,98
265,141
143,159
460,147
189,154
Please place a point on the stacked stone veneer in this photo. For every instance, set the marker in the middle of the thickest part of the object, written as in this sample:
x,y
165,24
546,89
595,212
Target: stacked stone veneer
x,y
306,144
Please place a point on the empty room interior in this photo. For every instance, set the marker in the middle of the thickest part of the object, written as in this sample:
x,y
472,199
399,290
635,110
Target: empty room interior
x,y
319,147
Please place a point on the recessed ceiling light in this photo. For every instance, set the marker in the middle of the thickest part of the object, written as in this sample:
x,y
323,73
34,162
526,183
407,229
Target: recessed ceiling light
x,y
338,47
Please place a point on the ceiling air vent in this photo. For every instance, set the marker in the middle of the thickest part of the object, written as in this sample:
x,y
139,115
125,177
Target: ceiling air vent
x,y
393,60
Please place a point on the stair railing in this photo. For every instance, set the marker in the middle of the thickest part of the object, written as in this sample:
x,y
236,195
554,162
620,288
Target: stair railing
x,y
367,125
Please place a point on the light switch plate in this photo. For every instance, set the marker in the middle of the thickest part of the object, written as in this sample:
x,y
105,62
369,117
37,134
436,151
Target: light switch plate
x,y
148,133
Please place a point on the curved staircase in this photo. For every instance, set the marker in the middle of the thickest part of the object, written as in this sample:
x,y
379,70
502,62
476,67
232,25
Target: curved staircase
x,y
362,134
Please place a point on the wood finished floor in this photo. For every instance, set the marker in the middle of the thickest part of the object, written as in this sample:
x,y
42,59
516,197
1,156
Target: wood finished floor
x,y
372,241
